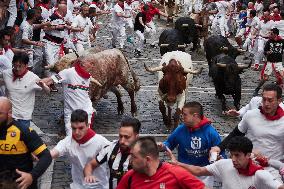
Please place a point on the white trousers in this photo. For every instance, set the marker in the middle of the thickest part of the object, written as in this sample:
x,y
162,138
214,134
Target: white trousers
x,y
118,31
260,49
81,46
51,53
152,32
219,24
139,40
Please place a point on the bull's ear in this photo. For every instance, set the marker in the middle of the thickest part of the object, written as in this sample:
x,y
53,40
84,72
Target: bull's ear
x,y
164,64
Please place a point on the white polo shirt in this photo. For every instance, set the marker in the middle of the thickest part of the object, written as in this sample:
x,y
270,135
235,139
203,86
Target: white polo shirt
x,y
79,155
21,92
231,179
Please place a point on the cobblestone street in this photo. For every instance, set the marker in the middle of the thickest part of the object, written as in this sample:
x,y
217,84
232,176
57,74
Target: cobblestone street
x,y
49,108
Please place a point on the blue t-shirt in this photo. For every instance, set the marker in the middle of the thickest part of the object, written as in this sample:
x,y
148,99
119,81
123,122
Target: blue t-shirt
x,y
243,16
193,146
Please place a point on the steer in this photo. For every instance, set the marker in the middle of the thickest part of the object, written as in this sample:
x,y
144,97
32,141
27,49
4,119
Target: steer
x,y
108,68
175,74
226,77
217,44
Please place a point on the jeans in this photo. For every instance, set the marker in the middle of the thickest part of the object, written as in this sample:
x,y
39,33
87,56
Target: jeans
x,y
25,123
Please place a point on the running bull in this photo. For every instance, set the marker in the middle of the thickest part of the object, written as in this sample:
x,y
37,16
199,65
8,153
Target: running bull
x,y
217,44
226,78
185,32
109,68
175,73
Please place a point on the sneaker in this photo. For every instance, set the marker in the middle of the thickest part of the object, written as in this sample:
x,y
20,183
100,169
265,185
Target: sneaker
x,y
256,67
137,53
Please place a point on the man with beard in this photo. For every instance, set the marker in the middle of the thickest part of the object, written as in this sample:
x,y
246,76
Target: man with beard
x,y
116,154
17,142
148,172
80,148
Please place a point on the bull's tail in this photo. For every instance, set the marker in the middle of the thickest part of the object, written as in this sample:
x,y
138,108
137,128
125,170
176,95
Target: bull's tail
x,y
136,80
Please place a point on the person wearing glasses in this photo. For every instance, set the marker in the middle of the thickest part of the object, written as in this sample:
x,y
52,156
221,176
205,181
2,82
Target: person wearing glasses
x,y
21,86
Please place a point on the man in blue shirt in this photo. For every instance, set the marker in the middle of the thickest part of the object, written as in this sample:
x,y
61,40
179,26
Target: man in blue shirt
x,y
194,137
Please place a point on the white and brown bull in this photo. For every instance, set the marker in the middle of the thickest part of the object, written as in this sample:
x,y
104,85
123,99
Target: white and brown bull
x,y
109,68
175,73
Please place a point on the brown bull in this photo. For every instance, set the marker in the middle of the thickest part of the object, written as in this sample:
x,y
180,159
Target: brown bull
x,y
108,68
175,74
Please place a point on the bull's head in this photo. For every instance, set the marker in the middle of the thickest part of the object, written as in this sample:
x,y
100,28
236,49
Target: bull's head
x,y
173,82
231,73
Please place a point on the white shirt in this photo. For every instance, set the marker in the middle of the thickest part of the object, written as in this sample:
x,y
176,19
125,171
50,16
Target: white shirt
x,y
79,155
280,26
76,91
231,179
266,135
81,22
222,7
27,33
5,63
265,28
116,20
21,92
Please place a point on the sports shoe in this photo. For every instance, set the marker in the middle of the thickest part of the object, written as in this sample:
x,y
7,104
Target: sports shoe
x,y
153,46
137,53
256,67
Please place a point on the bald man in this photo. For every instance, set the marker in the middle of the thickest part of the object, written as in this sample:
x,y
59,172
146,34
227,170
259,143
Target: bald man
x,y
17,142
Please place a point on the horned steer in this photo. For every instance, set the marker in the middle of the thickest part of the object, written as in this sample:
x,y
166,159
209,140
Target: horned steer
x,y
108,68
174,73
226,77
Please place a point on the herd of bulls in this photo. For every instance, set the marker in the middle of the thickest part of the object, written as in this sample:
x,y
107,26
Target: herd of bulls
x,y
110,68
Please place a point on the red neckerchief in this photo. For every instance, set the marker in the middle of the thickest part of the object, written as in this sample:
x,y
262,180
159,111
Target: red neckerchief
x,y
250,170
202,123
121,5
59,15
16,76
90,133
2,51
262,161
43,5
81,72
279,113
7,47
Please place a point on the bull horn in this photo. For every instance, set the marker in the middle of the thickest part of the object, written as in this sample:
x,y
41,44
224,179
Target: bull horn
x,y
184,25
198,25
221,65
243,66
93,80
152,70
224,48
181,46
198,71
48,67
241,50
164,45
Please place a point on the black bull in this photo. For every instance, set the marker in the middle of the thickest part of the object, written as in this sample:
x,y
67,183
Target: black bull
x,y
217,44
225,74
185,32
